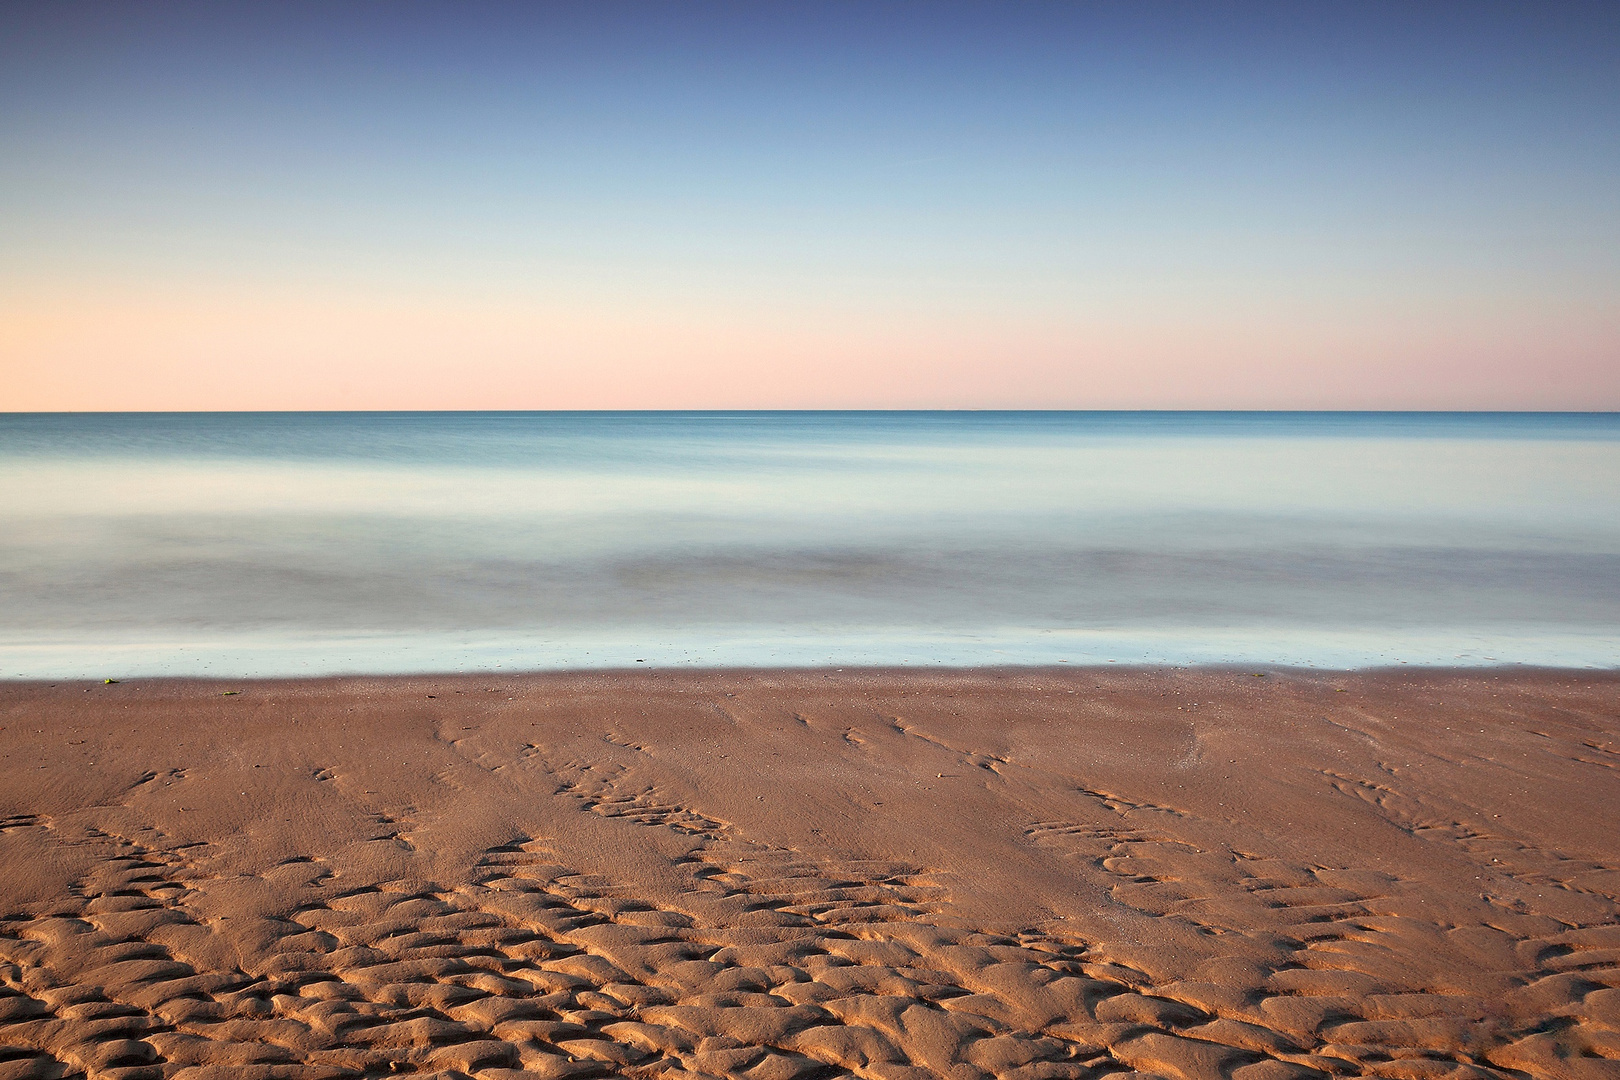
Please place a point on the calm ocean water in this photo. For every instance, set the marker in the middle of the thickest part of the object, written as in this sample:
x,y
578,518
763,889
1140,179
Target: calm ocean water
x,y
303,543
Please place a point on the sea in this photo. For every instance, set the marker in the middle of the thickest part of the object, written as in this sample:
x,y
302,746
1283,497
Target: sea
x,y
269,544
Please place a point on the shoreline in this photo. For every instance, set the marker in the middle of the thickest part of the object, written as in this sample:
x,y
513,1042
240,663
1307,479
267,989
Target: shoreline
x,y
920,670
312,654
1018,872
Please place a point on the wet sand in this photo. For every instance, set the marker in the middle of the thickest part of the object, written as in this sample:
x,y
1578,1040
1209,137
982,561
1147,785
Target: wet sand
x,y
1029,875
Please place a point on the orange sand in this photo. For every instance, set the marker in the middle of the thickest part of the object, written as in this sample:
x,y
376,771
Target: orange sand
x,y
1030,875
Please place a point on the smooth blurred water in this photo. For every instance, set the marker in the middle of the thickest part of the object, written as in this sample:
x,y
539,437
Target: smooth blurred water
x,y
313,542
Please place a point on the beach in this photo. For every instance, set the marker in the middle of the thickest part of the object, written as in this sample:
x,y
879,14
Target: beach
x,y
817,541
1024,873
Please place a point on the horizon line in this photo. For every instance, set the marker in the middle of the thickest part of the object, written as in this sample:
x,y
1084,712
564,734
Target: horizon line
x,y
919,410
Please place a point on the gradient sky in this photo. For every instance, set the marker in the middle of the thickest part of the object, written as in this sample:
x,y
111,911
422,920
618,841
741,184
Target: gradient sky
x,y
781,205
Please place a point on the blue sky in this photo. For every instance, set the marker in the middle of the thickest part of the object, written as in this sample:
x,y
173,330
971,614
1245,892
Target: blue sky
x,y
646,205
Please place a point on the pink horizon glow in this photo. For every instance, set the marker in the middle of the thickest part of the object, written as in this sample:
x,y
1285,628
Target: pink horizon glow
x,y
145,351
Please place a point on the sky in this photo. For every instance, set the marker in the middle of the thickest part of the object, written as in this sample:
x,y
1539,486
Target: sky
x,y
413,205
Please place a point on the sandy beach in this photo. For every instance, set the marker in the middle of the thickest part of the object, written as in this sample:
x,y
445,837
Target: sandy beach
x,y
1033,874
